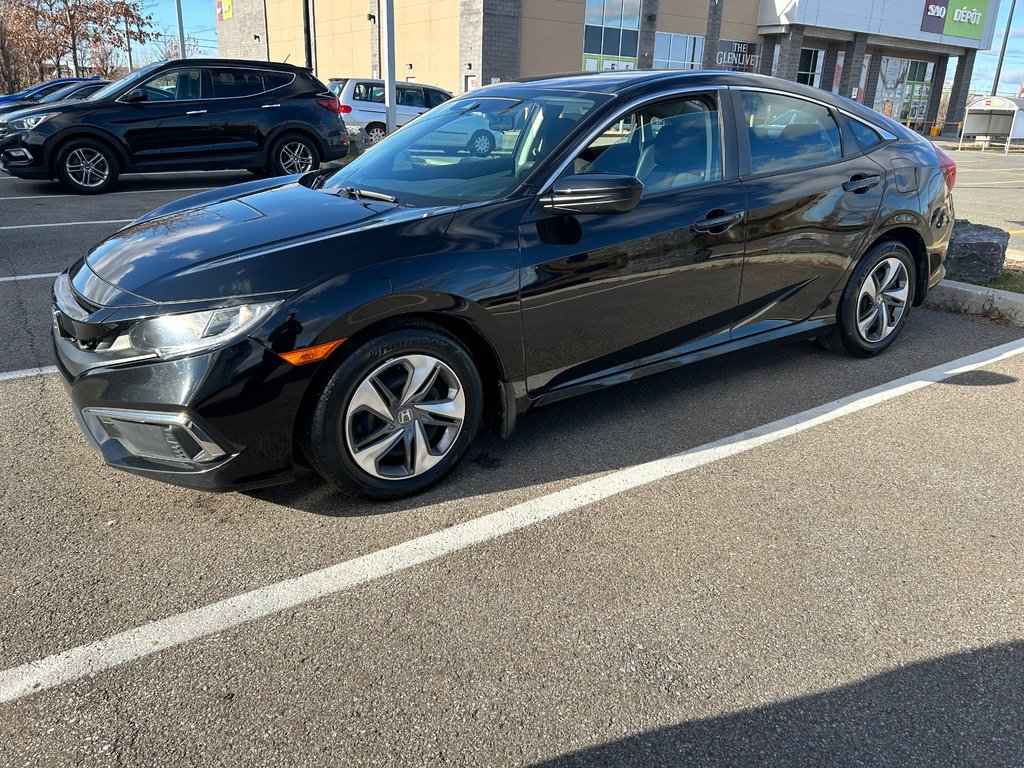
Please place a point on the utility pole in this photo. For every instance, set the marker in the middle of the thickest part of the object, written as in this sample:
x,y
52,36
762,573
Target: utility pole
x,y
128,43
387,22
181,31
1002,49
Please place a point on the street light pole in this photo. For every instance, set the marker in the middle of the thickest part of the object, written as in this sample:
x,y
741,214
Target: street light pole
x,y
181,31
387,23
1002,49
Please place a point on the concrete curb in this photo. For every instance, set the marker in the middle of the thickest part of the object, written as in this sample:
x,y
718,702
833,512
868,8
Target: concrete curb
x,y
968,299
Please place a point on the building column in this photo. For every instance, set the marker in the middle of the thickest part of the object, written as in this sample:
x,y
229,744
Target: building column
x,y
789,52
871,83
828,67
938,79
712,34
767,54
853,65
645,40
958,96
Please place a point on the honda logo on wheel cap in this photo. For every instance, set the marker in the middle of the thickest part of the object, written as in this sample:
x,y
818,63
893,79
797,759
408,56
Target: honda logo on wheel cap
x,y
405,416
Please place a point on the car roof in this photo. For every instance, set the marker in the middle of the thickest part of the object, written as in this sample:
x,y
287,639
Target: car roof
x,y
378,81
247,63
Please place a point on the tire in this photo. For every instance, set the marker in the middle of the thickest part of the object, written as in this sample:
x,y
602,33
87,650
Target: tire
x,y
376,132
365,436
293,153
87,166
869,320
481,144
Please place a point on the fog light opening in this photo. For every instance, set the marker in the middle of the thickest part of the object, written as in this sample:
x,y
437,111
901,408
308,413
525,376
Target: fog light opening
x,y
169,437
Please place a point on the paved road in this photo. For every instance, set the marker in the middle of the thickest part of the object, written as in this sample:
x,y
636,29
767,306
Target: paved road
x,y
849,594
990,190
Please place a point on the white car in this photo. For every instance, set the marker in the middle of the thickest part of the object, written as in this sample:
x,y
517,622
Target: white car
x,y
472,132
362,103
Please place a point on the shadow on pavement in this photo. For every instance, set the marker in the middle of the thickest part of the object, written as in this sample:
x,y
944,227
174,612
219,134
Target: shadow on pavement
x,y
966,709
669,413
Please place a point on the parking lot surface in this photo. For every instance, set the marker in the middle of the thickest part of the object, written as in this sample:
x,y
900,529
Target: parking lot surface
x,y
990,190
849,593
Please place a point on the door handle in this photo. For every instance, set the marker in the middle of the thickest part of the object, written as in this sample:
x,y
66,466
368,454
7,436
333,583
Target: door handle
x,y
860,183
196,112
271,106
718,223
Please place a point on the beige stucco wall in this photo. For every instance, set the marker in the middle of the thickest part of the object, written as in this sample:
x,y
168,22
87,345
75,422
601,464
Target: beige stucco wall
x,y
690,17
284,31
427,36
739,20
551,37
342,39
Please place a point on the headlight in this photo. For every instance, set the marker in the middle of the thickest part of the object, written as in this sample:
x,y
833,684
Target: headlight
x,y
30,122
173,335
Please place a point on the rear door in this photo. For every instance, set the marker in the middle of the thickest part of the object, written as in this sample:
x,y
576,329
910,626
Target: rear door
x,y
811,201
411,102
239,107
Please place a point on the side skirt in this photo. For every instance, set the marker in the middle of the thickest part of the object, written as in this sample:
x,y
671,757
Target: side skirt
x,y
806,329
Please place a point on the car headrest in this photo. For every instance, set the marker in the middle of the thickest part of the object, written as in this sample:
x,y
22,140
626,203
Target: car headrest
x,y
682,142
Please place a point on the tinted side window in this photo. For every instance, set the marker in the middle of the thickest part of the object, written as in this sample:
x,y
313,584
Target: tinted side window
x,y
234,83
368,92
787,133
177,84
48,89
87,91
668,145
411,97
436,98
865,136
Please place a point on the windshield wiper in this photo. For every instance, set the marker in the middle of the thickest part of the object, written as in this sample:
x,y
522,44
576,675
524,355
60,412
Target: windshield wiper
x,y
366,194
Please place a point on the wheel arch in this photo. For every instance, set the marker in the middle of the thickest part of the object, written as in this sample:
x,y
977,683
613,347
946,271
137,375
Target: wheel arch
x,y
84,132
913,241
300,128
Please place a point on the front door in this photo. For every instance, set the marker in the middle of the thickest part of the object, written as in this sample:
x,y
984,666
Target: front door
x,y
607,293
809,208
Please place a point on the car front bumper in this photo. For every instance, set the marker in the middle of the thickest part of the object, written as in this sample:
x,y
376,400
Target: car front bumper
x,y
21,155
217,421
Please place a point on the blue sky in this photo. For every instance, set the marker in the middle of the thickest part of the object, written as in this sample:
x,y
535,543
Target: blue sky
x,y
200,18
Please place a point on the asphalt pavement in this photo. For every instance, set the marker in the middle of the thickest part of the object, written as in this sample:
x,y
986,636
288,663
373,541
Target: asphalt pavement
x,y
842,587
990,190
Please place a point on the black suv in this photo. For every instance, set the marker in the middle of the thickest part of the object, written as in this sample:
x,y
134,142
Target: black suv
x,y
194,114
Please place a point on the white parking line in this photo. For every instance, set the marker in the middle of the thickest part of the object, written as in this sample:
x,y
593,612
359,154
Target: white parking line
x,y
39,276
45,196
26,372
67,224
136,643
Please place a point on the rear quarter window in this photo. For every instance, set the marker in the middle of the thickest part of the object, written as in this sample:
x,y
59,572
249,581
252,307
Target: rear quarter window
x,y
865,136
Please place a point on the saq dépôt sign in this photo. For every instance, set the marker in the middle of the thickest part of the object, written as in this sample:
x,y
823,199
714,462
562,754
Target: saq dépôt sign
x,y
955,17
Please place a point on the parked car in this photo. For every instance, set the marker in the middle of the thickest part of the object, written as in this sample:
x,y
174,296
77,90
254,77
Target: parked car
x,y
192,114
369,319
362,103
79,90
37,92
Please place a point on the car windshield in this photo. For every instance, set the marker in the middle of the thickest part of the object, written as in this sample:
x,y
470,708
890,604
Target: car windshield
x,y
472,149
115,87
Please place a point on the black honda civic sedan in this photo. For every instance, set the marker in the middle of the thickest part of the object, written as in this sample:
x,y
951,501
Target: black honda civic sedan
x,y
186,114
369,320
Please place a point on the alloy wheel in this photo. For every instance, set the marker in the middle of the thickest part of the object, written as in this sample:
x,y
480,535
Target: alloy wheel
x,y
87,167
296,157
883,299
404,417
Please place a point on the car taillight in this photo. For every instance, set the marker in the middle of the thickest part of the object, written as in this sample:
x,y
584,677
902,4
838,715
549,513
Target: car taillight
x,y
345,109
948,166
332,104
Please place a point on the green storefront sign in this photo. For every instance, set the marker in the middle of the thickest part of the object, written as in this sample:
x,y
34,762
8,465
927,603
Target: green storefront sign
x,y
956,17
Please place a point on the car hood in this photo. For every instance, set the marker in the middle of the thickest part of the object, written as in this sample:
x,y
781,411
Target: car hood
x,y
263,237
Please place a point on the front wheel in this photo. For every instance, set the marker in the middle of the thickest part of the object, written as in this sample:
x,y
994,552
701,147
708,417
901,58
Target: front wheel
x,y
876,302
481,144
86,166
397,415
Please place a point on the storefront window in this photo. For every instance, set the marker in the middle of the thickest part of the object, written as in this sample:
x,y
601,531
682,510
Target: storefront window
x,y
809,72
904,87
611,34
673,51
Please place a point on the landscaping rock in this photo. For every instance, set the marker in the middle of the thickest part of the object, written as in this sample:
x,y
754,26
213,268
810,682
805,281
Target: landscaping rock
x,y
976,252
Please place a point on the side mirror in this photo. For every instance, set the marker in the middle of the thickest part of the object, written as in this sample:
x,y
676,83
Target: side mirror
x,y
594,193
135,95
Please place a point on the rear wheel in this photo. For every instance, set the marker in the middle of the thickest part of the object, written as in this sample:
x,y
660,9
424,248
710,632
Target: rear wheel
x,y
86,166
876,302
397,415
481,144
376,132
293,153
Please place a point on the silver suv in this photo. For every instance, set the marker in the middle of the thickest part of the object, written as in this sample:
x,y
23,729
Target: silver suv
x,y
362,103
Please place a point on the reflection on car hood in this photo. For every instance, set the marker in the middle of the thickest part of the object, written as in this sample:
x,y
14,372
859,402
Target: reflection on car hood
x,y
255,238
